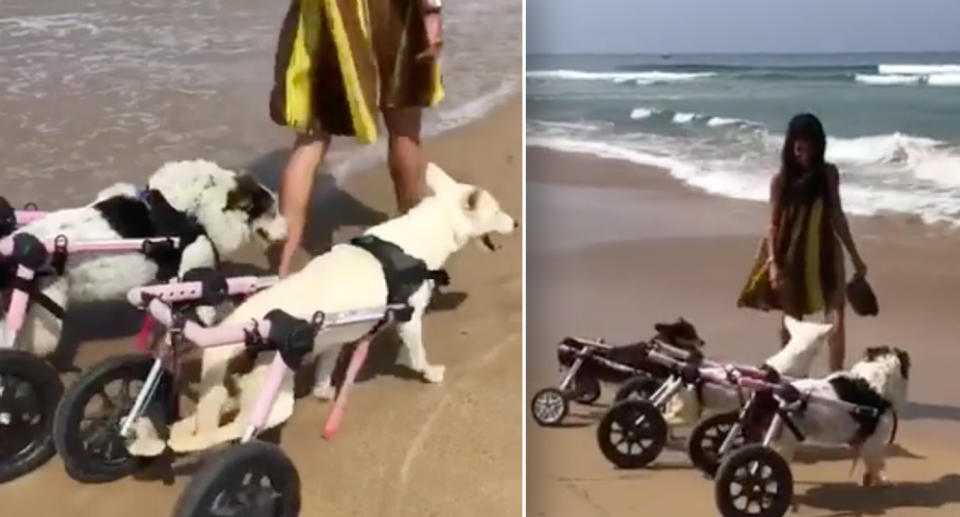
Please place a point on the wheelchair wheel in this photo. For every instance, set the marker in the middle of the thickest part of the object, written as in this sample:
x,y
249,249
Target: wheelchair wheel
x,y
29,391
254,478
549,406
753,481
632,434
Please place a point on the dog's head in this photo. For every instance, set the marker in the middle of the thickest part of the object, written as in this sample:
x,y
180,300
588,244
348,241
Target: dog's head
x,y
681,334
476,213
259,206
806,340
887,370
231,206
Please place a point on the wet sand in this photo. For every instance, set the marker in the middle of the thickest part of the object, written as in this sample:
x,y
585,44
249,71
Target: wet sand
x,y
406,448
614,248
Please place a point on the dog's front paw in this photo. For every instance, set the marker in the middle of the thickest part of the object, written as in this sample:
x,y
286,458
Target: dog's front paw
x,y
434,374
324,392
875,480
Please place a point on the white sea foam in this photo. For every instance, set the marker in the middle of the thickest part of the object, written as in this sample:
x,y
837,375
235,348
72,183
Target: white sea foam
x,y
950,79
723,121
900,69
641,113
683,118
901,157
888,80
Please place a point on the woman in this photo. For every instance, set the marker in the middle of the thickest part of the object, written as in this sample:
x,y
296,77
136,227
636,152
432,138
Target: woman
x,y
800,267
338,63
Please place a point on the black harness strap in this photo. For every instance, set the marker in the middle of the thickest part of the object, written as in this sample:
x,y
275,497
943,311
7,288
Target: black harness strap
x,y
404,273
37,296
167,221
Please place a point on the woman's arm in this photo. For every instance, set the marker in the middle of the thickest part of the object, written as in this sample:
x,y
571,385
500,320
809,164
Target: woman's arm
x,y
839,219
776,188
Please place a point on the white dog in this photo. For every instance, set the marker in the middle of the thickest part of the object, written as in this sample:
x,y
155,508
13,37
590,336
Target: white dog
x,y
878,381
793,360
214,210
344,278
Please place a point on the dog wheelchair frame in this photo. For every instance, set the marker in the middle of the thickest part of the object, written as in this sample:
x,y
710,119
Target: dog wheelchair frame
x,y
753,479
254,476
29,386
584,363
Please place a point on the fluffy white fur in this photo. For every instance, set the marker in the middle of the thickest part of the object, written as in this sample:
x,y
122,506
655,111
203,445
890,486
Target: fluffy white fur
x,y
199,188
344,278
821,423
793,360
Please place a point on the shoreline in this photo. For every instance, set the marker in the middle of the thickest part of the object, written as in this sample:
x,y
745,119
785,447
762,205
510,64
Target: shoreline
x,y
614,248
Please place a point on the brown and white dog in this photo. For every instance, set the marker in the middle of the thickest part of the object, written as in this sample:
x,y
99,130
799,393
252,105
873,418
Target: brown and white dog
x,y
880,381
213,209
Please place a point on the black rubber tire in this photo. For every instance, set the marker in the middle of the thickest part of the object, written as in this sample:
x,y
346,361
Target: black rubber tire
x,y
735,469
706,438
46,387
87,467
586,389
559,406
649,436
641,387
233,466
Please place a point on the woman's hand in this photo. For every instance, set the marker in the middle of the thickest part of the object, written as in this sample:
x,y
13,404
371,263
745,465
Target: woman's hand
x,y
775,279
433,30
859,266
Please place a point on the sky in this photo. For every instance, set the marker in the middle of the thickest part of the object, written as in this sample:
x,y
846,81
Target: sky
x,y
762,26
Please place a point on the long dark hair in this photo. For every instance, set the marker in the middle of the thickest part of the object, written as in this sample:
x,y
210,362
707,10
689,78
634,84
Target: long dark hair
x,y
803,183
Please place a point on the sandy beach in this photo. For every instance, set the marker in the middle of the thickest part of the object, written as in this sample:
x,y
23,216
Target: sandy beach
x,y
614,247
406,448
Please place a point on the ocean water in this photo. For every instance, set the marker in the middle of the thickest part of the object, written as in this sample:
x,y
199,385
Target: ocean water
x,y
717,122
102,90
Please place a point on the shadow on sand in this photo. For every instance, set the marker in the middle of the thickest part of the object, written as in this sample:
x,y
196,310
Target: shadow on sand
x,y
852,500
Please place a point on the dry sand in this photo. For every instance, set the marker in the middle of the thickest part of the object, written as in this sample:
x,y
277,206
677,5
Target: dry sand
x,y
614,248
406,448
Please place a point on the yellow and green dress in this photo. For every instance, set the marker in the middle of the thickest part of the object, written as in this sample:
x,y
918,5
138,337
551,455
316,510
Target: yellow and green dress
x,y
339,61
812,275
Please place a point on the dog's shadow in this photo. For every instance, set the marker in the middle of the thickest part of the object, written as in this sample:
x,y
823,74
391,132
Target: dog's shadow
x,y
922,411
809,453
850,499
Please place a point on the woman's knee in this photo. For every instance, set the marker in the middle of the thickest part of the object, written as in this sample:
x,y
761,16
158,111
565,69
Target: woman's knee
x,y
403,122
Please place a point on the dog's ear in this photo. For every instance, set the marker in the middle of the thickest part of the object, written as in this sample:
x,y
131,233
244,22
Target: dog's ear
x,y
873,352
473,199
437,180
249,197
904,358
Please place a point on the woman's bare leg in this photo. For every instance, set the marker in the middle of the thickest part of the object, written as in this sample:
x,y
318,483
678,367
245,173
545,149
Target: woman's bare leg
x,y
295,188
405,156
836,342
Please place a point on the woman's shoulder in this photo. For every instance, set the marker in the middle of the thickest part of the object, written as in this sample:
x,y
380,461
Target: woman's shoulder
x,y
833,174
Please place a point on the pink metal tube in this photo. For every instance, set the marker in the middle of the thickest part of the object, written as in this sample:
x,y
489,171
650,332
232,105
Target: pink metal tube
x,y
268,395
339,406
180,291
18,308
6,245
207,337
29,216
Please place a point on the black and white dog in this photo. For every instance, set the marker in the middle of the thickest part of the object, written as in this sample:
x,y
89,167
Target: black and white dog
x,y
878,381
214,211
